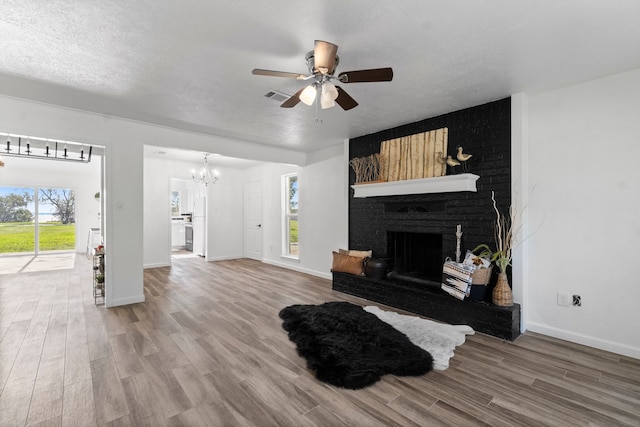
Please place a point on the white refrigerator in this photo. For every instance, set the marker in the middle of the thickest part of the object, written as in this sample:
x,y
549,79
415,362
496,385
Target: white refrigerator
x,y
199,220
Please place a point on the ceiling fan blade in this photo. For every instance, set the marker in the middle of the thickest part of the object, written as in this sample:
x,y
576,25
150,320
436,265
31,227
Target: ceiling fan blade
x,y
362,76
344,100
324,57
293,101
271,73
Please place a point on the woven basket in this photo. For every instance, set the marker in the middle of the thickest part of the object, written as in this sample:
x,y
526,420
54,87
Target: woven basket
x,y
482,276
502,294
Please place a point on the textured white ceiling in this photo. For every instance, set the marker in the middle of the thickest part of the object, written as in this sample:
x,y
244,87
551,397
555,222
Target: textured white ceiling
x,y
187,64
197,157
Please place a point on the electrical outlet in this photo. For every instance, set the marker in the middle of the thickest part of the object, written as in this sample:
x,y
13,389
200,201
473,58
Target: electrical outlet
x,y
564,299
577,300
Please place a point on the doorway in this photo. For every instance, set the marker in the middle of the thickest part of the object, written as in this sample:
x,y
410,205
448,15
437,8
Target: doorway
x,y
48,227
188,218
253,220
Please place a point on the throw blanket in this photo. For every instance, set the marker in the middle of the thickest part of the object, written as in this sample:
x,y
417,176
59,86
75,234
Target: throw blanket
x,y
439,339
348,347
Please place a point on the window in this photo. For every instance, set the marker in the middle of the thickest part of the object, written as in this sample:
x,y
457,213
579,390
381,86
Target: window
x,y
175,203
33,220
290,235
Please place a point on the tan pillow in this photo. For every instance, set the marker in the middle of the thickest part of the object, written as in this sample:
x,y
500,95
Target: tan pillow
x,y
348,264
343,251
366,254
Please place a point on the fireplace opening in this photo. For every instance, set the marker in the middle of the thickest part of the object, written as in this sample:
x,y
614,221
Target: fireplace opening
x,y
415,257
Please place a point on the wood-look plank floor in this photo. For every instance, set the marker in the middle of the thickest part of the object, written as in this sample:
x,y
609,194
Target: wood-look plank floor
x,y
207,349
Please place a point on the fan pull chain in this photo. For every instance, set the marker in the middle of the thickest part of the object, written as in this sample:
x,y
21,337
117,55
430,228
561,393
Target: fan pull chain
x,y
318,120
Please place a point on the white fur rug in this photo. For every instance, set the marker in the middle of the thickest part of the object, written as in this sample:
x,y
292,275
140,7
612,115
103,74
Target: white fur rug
x,y
439,339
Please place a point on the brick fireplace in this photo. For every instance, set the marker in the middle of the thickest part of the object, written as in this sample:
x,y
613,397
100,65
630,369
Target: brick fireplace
x,y
415,233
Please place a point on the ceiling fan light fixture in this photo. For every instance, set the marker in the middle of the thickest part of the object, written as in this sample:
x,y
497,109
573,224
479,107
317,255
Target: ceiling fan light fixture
x,y
321,63
329,95
308,95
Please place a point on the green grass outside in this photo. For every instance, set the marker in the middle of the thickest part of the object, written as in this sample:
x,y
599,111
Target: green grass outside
x,y
19,236
293,237
293,231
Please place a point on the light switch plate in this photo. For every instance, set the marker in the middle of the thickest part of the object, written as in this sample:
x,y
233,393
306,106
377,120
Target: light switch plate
x,y
564,299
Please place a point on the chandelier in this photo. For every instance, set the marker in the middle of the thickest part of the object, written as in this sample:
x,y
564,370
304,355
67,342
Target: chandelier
x,y
205,176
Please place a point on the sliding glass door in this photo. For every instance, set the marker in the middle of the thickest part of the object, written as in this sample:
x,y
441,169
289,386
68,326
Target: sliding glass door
x,y
34,220
56,229
17,225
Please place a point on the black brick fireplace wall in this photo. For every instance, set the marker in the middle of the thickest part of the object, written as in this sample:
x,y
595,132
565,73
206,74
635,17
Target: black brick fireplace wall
x,y
485,132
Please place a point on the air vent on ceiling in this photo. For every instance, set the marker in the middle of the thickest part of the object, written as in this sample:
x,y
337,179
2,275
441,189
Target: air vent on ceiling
x,y
160,152
277,96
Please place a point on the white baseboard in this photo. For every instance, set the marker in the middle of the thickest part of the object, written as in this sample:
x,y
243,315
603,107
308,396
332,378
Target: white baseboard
x,y
223,258
124,301
156,265
601,344
299,269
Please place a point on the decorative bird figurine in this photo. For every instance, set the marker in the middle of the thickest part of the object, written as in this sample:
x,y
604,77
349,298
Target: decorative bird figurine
x,y
463,157
446,160
452,162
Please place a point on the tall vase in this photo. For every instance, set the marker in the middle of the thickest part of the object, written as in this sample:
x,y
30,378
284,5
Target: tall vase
x,y
502,294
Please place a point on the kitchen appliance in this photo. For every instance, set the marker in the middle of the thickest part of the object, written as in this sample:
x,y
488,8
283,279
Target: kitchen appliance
x,y
199,221
188,236
177,232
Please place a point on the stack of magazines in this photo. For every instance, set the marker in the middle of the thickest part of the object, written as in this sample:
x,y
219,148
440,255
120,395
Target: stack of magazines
x,y
457,278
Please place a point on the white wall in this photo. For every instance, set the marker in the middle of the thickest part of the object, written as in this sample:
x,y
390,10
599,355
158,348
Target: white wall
x,y
84,178
225,228
323,219
583,176
224,211
123,223
270,175
158,173
520,198
157,217
322,215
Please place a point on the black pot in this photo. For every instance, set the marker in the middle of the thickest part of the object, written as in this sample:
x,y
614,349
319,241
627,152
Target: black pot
x,y
376,268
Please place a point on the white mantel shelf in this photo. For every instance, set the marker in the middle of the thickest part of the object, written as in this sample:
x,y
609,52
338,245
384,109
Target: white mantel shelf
x,y
438,184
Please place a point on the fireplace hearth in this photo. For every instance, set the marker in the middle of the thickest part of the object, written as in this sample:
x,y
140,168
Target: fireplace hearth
x,y
501,322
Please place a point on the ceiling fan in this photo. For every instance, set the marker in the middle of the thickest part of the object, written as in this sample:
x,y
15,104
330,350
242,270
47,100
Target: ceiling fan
x,y
322,62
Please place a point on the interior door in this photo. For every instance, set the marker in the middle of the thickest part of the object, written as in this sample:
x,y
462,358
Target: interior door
x,y
253,220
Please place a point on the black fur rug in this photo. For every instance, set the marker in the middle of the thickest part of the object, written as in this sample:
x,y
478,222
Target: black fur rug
x,y
348,347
